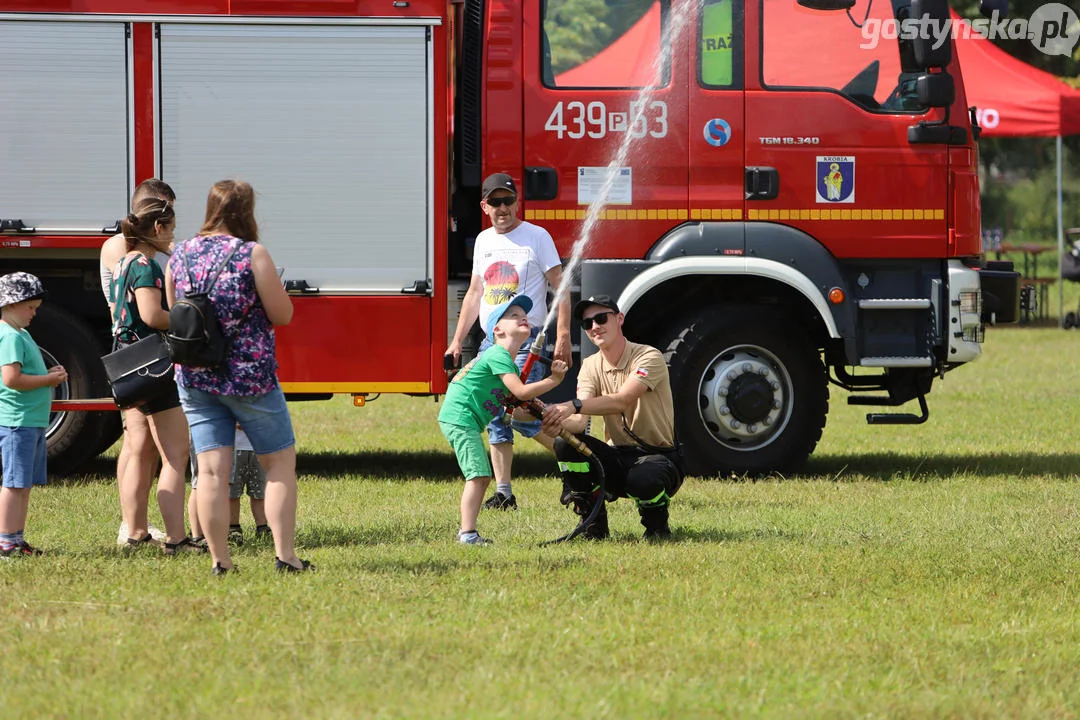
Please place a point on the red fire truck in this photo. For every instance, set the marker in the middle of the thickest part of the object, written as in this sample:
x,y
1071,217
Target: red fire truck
x,y
796,202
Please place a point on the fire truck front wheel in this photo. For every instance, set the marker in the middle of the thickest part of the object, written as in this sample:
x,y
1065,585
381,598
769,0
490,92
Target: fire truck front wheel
x,y
750,393
74,437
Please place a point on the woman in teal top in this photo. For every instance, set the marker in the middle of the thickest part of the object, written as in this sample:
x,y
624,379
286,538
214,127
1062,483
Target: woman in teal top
x,y
138,294
136,271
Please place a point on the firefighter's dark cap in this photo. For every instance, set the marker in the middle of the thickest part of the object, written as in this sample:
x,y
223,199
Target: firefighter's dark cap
x,y
498,181
601,300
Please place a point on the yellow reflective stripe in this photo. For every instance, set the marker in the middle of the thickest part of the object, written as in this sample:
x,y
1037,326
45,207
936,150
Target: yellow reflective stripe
x,y
815,214
578,467
827,213
659,500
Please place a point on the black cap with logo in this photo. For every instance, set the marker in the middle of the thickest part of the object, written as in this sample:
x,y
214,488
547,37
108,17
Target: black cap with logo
x,y
498,181
602,300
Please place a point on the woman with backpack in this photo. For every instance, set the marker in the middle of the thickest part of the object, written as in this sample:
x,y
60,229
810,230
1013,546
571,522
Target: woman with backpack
x,y
235,275
139,310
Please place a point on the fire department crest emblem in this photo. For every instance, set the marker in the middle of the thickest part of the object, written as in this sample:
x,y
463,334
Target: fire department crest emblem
x,y
835,179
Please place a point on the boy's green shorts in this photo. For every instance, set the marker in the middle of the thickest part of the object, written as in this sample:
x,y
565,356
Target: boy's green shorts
x,y
469,447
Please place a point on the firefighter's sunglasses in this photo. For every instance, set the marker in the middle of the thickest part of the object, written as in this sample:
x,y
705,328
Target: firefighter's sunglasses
x,y
598,318
507,200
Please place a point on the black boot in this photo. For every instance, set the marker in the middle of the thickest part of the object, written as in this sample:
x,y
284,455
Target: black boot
x,y
583,505
655,520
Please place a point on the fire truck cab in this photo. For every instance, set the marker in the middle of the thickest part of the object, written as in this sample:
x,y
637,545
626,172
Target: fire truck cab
x,y
770,202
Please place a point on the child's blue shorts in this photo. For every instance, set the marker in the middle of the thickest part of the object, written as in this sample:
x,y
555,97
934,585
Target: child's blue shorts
x,y
22,453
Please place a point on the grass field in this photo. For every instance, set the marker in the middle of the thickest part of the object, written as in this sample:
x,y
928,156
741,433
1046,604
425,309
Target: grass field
x,y
926,571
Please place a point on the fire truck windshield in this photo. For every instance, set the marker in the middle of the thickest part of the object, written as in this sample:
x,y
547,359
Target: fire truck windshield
x,y
613,43
821,50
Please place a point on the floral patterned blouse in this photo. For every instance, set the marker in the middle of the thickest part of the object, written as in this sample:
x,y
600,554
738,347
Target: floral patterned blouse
x,y
250,367
134,271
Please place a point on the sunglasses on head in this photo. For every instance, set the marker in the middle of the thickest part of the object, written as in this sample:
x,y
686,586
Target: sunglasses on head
x,y
507,200
598,318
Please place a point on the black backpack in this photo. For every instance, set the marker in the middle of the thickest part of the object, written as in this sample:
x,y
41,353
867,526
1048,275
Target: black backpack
x,y
195,337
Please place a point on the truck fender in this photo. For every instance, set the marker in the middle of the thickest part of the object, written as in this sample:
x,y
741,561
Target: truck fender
x,y
728,265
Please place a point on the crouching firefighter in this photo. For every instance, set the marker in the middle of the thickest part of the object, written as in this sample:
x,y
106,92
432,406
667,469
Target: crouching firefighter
x,y
627,384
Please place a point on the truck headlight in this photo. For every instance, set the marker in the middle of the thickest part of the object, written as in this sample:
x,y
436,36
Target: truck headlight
x,y
971,302
975,333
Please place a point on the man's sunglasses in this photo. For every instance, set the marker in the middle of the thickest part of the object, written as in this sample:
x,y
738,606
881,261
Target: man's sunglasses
x,y
508,200
598,318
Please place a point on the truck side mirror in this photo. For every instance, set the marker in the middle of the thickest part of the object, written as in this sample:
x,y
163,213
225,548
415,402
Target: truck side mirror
x,y
937,90
827,4
936,50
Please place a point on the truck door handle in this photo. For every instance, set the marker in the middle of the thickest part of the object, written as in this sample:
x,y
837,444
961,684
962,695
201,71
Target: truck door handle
x,y
762,183
541,183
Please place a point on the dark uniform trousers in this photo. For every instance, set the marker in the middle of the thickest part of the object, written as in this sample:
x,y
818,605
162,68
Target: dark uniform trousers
x,y
650,479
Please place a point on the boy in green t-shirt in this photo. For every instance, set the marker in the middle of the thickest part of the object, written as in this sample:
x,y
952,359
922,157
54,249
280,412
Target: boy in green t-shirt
x,y
477,393
25,399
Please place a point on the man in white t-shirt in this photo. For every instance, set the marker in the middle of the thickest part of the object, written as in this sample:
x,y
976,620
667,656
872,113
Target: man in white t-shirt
x,y
512,257
112,251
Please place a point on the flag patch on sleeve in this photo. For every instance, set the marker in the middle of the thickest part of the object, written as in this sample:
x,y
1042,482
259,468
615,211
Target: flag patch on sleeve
x,y
641,372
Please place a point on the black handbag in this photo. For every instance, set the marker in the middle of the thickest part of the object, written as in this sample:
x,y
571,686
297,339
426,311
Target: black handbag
x,y
140,372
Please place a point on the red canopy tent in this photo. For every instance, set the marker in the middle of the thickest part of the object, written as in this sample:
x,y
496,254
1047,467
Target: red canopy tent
x,y
1027,102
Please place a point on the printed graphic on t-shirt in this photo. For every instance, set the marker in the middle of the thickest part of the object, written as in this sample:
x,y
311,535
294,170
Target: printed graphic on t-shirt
x,y
495,403
500,282
514,263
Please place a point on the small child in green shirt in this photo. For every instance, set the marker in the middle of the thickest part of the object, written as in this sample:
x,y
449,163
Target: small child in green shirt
x,y
25,399
477,393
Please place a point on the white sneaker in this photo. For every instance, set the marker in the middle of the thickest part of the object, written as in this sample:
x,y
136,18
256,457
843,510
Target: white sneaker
x,y
122,535
472,539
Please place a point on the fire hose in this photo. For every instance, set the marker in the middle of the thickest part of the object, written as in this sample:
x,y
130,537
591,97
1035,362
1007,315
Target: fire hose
x,y
535,407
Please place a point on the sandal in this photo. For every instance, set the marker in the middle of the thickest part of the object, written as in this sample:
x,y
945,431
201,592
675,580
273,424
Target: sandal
x,y
146,539
282,566
185,545
200,542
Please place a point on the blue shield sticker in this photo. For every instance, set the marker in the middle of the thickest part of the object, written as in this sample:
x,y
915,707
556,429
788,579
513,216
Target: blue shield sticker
x,y
835,179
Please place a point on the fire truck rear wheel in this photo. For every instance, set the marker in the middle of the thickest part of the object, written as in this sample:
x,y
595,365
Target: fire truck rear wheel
x,y
73,438
750,393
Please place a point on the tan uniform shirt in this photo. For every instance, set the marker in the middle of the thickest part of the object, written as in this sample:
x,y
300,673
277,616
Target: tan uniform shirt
x,y
653,419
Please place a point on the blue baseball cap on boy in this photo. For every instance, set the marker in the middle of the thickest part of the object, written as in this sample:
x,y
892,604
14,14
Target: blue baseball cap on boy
x,y
523,301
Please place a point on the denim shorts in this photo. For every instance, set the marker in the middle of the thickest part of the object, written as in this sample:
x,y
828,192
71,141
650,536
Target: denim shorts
x,y
213,419
498,432
22,453
469,448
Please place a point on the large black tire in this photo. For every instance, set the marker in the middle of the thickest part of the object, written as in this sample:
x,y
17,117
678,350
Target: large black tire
x,y
750,392
74,437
